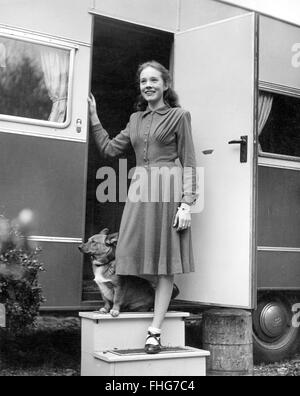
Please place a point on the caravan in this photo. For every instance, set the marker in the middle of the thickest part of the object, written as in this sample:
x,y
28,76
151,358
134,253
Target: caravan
x,y
236,71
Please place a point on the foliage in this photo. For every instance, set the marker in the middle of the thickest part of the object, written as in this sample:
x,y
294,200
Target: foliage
x,y
19,269
23,92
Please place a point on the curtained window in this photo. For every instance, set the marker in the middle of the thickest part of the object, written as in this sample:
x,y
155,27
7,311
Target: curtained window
x,y
279,124
34,81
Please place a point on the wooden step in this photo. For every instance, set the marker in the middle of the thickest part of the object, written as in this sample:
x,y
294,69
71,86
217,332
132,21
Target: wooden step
x,y
172,361
115,346
102,332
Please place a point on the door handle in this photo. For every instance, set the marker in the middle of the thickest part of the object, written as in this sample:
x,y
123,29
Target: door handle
x,y
78,125
244,148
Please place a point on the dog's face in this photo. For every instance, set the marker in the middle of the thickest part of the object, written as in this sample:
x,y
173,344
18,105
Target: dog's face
x,y
101,247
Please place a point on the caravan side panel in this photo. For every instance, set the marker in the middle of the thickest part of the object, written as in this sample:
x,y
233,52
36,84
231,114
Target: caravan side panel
x,y
194,13
43,174
156,13
43,165
279,54
60,18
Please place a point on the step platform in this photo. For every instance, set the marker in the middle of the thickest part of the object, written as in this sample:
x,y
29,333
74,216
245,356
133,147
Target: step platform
x,y
105,338
172,361
102,332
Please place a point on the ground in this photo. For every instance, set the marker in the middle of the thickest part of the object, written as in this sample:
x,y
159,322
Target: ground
x,y
289,368
53,349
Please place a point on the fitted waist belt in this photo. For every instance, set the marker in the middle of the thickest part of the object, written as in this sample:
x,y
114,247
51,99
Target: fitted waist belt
x,y
158,164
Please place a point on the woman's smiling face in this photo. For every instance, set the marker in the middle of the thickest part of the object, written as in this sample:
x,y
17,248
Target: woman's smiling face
x,y
152,86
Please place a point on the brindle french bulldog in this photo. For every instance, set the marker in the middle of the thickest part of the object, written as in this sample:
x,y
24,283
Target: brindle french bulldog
x,y
119,292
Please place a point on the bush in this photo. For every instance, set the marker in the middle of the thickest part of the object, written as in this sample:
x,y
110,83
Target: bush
x,y
19,269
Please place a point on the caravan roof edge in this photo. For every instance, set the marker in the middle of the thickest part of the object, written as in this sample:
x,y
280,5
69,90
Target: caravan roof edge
x,y
264,14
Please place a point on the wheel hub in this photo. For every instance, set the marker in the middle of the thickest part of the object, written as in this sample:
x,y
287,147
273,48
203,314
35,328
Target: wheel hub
x,y
273,320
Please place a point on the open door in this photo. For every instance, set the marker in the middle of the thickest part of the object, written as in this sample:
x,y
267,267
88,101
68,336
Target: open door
x,y
112,86
215,77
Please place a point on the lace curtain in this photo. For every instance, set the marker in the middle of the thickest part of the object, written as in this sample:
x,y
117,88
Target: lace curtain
x,y
55,66
2,55
265,102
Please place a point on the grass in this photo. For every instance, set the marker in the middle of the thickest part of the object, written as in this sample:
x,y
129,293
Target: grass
x,y
49,350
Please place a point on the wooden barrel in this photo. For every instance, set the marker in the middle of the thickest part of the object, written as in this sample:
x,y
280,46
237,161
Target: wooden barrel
x,y
227,335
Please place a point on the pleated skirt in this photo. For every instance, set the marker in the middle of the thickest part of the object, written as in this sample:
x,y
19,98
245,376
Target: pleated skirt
x,y
148,242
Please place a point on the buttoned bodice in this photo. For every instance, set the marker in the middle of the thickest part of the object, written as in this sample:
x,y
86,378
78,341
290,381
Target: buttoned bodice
x,y
159,136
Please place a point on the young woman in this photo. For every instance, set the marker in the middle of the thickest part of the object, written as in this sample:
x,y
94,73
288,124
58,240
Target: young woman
x,y
155,236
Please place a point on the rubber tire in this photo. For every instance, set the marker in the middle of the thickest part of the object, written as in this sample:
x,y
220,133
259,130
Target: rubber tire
x,y
280,349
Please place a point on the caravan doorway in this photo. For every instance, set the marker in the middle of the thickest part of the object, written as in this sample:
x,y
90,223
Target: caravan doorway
x,y
118,49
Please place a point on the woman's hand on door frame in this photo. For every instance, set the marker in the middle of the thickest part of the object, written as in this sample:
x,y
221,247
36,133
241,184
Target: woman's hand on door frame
x,y
93,110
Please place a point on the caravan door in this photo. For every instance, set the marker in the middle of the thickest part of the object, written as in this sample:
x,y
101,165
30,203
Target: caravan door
x,y
215,73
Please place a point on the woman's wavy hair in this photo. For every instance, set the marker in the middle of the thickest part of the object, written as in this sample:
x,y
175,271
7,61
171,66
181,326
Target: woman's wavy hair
x,y
170,96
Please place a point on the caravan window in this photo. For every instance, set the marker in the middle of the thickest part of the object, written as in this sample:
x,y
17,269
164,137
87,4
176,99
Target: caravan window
x,y
34,82
279,124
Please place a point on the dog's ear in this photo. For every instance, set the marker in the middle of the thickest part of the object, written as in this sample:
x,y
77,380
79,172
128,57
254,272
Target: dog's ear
x,y
105,231
112,239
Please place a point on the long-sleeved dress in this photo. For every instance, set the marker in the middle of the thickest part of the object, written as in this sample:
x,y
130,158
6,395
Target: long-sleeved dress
x,y
148,243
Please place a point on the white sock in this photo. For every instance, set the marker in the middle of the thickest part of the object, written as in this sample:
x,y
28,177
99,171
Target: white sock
x,y
152,340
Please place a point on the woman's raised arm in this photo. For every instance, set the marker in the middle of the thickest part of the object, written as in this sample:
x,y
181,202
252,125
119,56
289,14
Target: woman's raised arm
x,y
109,148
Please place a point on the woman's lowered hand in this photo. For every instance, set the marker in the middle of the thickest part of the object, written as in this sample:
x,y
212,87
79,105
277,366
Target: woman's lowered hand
x,y
183,219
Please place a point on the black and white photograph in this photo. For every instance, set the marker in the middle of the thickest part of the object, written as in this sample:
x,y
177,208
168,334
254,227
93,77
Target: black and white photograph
x,y
150,191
